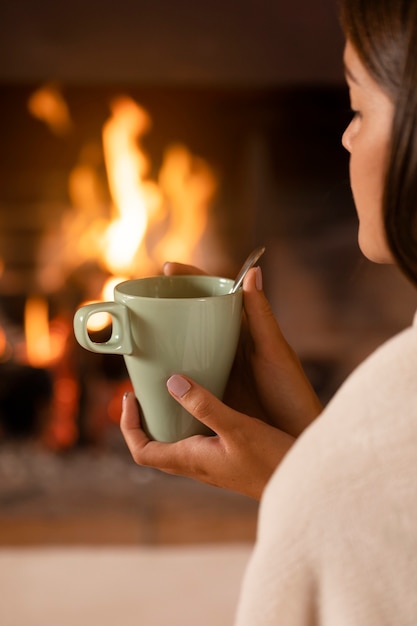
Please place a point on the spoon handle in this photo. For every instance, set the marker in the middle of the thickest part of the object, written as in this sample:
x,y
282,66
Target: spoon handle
x,y
254,256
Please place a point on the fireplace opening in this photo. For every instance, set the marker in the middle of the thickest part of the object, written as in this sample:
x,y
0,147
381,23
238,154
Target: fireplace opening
x,y
225,120
204,175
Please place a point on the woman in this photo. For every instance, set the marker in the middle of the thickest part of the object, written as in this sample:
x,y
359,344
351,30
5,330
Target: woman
x,y
337,535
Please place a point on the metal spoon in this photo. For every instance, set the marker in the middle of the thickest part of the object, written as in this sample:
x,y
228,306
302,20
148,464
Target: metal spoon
x,y
254,256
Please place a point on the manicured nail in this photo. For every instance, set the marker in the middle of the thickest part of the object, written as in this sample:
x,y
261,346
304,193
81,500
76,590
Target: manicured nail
x,y
178,385
258,279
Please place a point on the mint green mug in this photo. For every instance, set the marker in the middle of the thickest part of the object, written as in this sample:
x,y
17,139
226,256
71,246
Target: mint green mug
x,y
166,325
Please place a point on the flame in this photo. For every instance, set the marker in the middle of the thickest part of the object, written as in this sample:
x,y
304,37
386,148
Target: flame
x,y
3,344
124,219
45,343
48,105
188,185
109,286
127,221
135,197
151,220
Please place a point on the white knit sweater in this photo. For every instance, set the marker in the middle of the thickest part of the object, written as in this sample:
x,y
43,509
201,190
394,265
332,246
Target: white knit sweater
x,y
337,534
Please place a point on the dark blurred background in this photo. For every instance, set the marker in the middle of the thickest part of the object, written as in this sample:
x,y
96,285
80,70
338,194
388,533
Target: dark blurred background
x,y
233,43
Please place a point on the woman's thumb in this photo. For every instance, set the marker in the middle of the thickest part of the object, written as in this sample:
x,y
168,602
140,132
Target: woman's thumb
x,y
202,404
263,326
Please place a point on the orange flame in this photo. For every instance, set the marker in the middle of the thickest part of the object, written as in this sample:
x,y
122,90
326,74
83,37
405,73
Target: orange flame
x,y
188,185
3,344
48,105
135,197
152,220
45,344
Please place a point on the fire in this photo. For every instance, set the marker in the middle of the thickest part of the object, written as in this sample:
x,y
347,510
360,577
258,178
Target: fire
x,y
48,105
130,221
135,197
151,220
125,220
45,342
188,185
3,344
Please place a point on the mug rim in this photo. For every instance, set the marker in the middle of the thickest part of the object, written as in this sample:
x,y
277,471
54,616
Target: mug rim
x,y
120,288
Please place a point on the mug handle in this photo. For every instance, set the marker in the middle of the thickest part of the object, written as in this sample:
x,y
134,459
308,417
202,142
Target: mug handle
x,y
120,341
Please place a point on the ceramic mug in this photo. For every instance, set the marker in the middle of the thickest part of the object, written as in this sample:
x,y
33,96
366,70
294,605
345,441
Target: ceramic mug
x,y
166,325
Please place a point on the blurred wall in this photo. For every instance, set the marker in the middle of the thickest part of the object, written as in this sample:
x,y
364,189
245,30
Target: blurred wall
x,y
241,42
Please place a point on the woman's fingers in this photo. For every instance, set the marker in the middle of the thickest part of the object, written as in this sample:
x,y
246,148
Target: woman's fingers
x,y
144,451
286,392
262,324
189,457
241,457
244,451
135,437
171,269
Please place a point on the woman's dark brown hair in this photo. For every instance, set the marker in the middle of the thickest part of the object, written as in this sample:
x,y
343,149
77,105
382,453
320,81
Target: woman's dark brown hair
x,y
384,34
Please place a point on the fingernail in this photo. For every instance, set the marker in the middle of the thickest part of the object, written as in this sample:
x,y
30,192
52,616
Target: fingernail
x,y
258,279
126,393
178,385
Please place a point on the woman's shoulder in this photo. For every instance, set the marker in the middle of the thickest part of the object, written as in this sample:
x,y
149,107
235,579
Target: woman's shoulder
x,y
366,432
343,503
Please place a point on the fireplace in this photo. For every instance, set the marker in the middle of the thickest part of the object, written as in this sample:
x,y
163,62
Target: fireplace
x,y
218,156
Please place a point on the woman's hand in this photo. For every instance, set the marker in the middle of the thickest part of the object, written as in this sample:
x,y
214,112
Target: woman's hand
x,y
267,383
267,380
241,456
